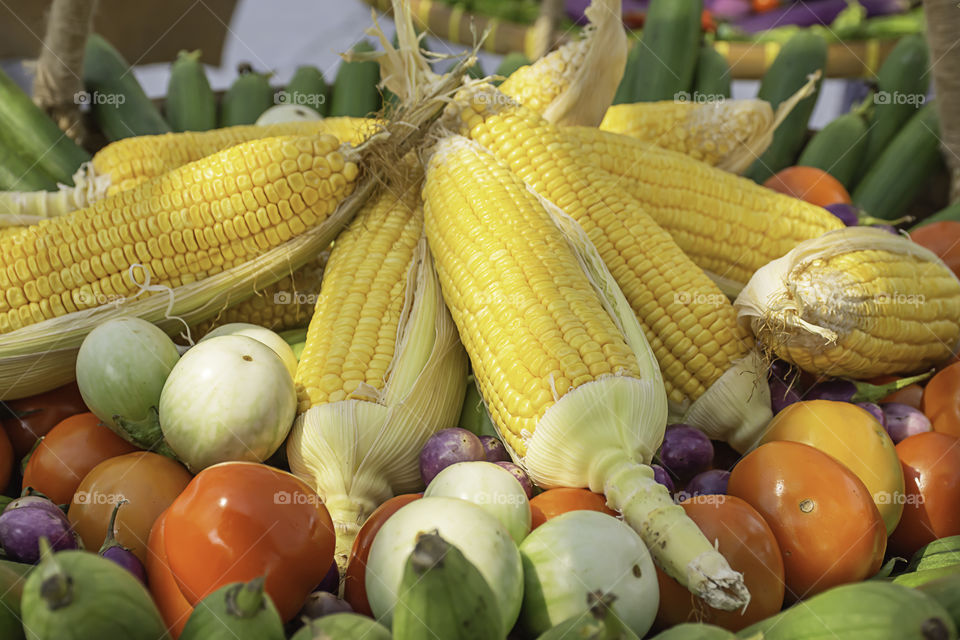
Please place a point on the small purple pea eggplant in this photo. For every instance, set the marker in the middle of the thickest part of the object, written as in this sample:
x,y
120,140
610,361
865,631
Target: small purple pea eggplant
x,y
660,475
875,410
116,552
903,421
21,530
685,451
520,475
848,214
494,449
447,447
712,482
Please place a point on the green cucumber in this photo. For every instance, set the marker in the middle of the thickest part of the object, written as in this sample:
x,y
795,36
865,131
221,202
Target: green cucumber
x,y
342,626
917,578
119,105
804,54
950,214
902,82
442,594
355,90
838,148
943,552
308,88
695,631
26,131
190,104
510,63
903,169
19,174
237,611
601,624
246,99
669,49
474,416
632,75
871,610
713,78
78,595
946,591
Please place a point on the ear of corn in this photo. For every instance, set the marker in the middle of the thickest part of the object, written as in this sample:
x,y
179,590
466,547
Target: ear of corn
x,y
382,368
570,381
729,226
688,321
575,84
858,302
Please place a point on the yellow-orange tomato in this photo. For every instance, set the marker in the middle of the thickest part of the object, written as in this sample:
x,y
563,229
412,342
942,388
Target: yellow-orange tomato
x,y
825,522
941,401
236,521
816,186
554,502
67,454
746,541
148,482
355,578
173,607
931,464
852,436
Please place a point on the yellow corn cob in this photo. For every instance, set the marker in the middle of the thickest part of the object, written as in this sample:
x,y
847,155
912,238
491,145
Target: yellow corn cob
x,y
190,223
857,302
382,368
575,84
285,304
688,321
729,226
571,383
728,134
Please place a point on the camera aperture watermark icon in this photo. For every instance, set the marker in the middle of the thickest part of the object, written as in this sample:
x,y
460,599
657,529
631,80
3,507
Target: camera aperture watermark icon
x,y
97,497
897,497
86,297
685,97
300,98
499,499
295,297
90,98
899,97
296,498
687,298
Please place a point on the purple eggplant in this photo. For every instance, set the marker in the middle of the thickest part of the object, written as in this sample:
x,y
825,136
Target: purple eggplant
x,y
322,603
724,456
660,475
685,451
875,410
903,421
112,550
494,449
520,475
836,390
712,482
781,395
331,581
843,390
34,501
576,8
21,530
447,447
728,9
822,12
848,214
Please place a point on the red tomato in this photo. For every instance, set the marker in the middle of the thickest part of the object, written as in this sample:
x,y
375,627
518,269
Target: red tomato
x,y
147,481
68,452
239,520
6,459
748,544
943,238
931,466
552,502
174,608
31,418
941,401
823,517
816,186
355,578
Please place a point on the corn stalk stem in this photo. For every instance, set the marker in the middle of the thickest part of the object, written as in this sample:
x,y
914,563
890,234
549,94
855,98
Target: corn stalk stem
x,y
943,25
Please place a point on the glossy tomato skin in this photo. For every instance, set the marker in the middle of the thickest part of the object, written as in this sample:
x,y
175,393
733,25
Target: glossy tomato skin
x,y
747,542
941,401
931,466
553,502
29,419
148,482
67,454
810,184
823,517
354,579
239,520
174,608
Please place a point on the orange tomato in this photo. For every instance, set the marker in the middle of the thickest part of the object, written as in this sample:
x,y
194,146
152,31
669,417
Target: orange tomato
x,y
748,544
826,523
855,439
931,465
759,6
239,520
943,238
941,401
68,452
28,419
355,578
6,459
816,186
553,502
174,608
148,482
